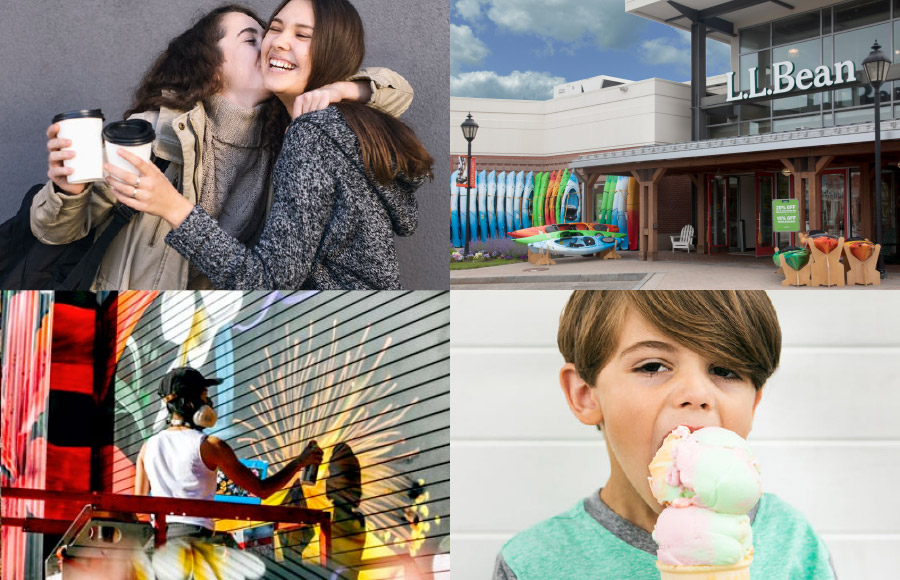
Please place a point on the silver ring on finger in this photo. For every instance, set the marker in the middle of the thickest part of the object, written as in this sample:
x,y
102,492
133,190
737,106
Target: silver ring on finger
x,y
137,183
134,193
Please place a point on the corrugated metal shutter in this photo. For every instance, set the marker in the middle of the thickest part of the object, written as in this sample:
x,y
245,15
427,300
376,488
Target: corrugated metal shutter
x,y
368,370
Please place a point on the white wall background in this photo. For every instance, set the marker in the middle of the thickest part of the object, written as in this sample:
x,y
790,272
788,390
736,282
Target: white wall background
x,y
827,432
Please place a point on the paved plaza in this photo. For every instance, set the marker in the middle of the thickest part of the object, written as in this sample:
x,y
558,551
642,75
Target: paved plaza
x,y
679,271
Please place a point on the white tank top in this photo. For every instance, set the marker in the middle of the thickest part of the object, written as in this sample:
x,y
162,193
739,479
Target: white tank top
x,y
174,467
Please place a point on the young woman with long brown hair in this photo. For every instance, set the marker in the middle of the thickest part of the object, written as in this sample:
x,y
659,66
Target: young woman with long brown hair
x,y
344,181
220,131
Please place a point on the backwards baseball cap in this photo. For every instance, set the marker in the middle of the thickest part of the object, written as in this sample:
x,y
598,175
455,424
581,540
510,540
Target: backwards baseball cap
x,y
184,380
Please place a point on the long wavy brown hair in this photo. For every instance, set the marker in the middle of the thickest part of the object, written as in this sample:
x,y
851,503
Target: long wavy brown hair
x,y
189,72
337,49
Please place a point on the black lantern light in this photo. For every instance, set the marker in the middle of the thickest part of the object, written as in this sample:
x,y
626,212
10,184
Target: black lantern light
x,y
876,66
469,129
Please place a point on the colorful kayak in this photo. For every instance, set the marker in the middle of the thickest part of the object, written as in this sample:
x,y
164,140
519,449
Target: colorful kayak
x,y
535,230
491,206
560,194
796,259
454,211
518,191
575,245
632,214
570,203
566,233
481,231
621,216
509,200
824,242
527,197
862,250
536,212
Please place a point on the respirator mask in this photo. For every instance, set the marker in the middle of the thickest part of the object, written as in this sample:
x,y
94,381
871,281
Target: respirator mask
x,y
188,383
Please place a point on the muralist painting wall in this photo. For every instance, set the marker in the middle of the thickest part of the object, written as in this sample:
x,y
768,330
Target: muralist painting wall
x,y
364,374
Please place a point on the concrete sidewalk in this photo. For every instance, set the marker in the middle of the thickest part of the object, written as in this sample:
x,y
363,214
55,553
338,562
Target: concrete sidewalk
x,y
678,271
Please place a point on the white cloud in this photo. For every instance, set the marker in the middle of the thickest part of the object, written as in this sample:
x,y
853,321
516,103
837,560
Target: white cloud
x,y
469,9
465,48
666,51
676,52
529,85
602,22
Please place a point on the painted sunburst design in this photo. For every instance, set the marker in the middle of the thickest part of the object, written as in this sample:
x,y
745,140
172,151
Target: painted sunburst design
x,y
308,394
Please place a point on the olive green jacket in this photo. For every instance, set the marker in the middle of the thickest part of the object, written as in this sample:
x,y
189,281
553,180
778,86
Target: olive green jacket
x,y
139,258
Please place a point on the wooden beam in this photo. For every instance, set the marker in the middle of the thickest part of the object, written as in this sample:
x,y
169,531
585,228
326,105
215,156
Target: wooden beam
x,y
822,162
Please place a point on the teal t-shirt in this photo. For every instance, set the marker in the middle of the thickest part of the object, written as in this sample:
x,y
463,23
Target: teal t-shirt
x,y
576,545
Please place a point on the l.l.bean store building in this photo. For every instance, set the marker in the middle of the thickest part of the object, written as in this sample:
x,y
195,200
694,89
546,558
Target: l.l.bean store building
x,y
793,119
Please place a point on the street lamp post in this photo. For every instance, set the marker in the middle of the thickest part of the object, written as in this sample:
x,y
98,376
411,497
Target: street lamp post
x,y
469,128
876,66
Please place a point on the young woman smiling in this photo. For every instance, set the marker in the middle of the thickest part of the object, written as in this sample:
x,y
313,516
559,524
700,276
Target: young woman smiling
x,y
344,180
218,128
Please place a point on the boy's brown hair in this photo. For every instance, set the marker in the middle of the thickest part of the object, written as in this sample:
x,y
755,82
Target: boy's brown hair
x,y
736,328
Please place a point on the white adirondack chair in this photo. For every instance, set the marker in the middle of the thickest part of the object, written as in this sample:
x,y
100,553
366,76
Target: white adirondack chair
x,y
685,240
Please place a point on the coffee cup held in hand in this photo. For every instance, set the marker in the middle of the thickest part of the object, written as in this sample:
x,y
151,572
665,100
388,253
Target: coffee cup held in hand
x,y
83,129
133,135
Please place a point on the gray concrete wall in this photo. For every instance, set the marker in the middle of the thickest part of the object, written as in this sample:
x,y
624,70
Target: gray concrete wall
x,y
59,56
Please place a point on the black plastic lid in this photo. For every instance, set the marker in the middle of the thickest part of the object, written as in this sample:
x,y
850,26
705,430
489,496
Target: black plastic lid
x,y
129,133
83,113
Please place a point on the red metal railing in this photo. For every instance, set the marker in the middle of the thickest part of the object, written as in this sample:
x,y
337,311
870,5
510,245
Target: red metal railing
x,y
164,506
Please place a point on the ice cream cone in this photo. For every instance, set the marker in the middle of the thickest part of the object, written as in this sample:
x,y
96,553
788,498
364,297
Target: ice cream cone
x,y
739,571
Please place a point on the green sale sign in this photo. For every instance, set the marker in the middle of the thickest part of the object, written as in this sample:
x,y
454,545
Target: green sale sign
x,y
786,215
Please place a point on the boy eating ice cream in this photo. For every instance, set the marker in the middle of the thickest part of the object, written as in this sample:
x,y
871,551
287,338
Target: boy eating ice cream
x,y
638,366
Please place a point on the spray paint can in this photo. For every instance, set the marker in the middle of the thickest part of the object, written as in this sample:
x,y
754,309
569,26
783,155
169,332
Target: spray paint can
x,y
310,474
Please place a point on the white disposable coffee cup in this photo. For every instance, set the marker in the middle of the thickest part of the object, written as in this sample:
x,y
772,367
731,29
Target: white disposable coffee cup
x,y
134,135
83,129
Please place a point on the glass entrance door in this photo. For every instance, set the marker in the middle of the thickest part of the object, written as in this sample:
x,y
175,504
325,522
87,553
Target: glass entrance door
x,y
717,213
834,202
765,188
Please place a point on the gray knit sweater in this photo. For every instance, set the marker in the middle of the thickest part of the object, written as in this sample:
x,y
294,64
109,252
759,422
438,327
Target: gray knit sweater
x,y
327,228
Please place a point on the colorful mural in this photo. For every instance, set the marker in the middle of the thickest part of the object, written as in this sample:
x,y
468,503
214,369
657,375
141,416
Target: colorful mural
x,y
364,374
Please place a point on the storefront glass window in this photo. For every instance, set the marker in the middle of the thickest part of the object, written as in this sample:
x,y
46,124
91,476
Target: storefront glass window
x,y
803,55
794,123
762,60
723,131
889,209
782,191
826,20
856,46
756,127
717,222
860,13
795,29
833,188
764,199
756,38
860,116
855,205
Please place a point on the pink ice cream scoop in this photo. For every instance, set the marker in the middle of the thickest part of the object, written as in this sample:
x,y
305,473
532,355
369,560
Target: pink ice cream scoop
x,y
709,481
695,536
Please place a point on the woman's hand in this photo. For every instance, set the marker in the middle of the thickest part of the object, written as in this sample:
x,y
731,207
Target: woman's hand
x,y
149,191
318,99
57,172
312,455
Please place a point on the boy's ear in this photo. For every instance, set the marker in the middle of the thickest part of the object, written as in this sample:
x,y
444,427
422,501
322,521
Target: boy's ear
x,y
756,400
580,396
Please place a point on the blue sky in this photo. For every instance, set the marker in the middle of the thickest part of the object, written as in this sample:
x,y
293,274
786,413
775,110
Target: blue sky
x,y
520,49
